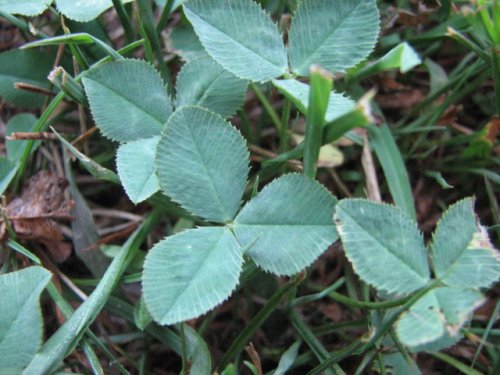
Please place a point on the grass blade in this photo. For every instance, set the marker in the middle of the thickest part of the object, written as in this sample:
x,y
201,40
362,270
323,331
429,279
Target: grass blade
x,y
392,163
70,333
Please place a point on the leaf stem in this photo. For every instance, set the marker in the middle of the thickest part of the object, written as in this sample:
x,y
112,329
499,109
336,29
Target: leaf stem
x,y
146,16
319,94
267,106
495,64
125,20
164,16
239,343
319,351
285,119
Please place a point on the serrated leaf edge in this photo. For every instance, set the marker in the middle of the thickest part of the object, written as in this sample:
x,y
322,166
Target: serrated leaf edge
x,y
118,169
224,70
215,306
35,293
339,230
165,129
144,62
355,64
272,270
267,15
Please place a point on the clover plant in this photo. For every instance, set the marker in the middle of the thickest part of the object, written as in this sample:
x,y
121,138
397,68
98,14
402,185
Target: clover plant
x,y
178,141
379,237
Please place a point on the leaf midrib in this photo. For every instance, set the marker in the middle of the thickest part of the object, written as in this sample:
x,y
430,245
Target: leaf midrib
x,y
224,210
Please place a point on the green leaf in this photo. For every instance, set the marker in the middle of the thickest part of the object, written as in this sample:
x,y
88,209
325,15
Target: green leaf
x,y
30,67
440,311
240,36
21,322
205,83
77,38
8,170
462,253
298,93
396,363
190,273
333,34
142,317
184,42
128,100
198,353
135,164
403,57
391,160
287,359
83,11
202,163
24,7
379,237
85,236
22,122
438,75
70,333
288,224
95,169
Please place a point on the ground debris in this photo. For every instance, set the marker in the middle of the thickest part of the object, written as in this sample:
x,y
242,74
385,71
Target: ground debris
x,y
34,215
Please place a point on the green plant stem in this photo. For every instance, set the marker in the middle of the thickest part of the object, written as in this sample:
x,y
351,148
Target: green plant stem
x,y
146,16
463,368
457,76
367,305
285,119
391,160
316,296
319,94
67,311
381,365
70,333
267,106
306,334
495,64
358,347
334,327
495,209
244,337
22,25
336,357
389,322
183,350
367,359
360,116
125,20
467,43
125,310
75,49
486,332
40,125
162,22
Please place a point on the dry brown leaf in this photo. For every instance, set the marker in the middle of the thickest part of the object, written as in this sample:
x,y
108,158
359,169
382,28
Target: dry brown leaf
x,y
34,214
